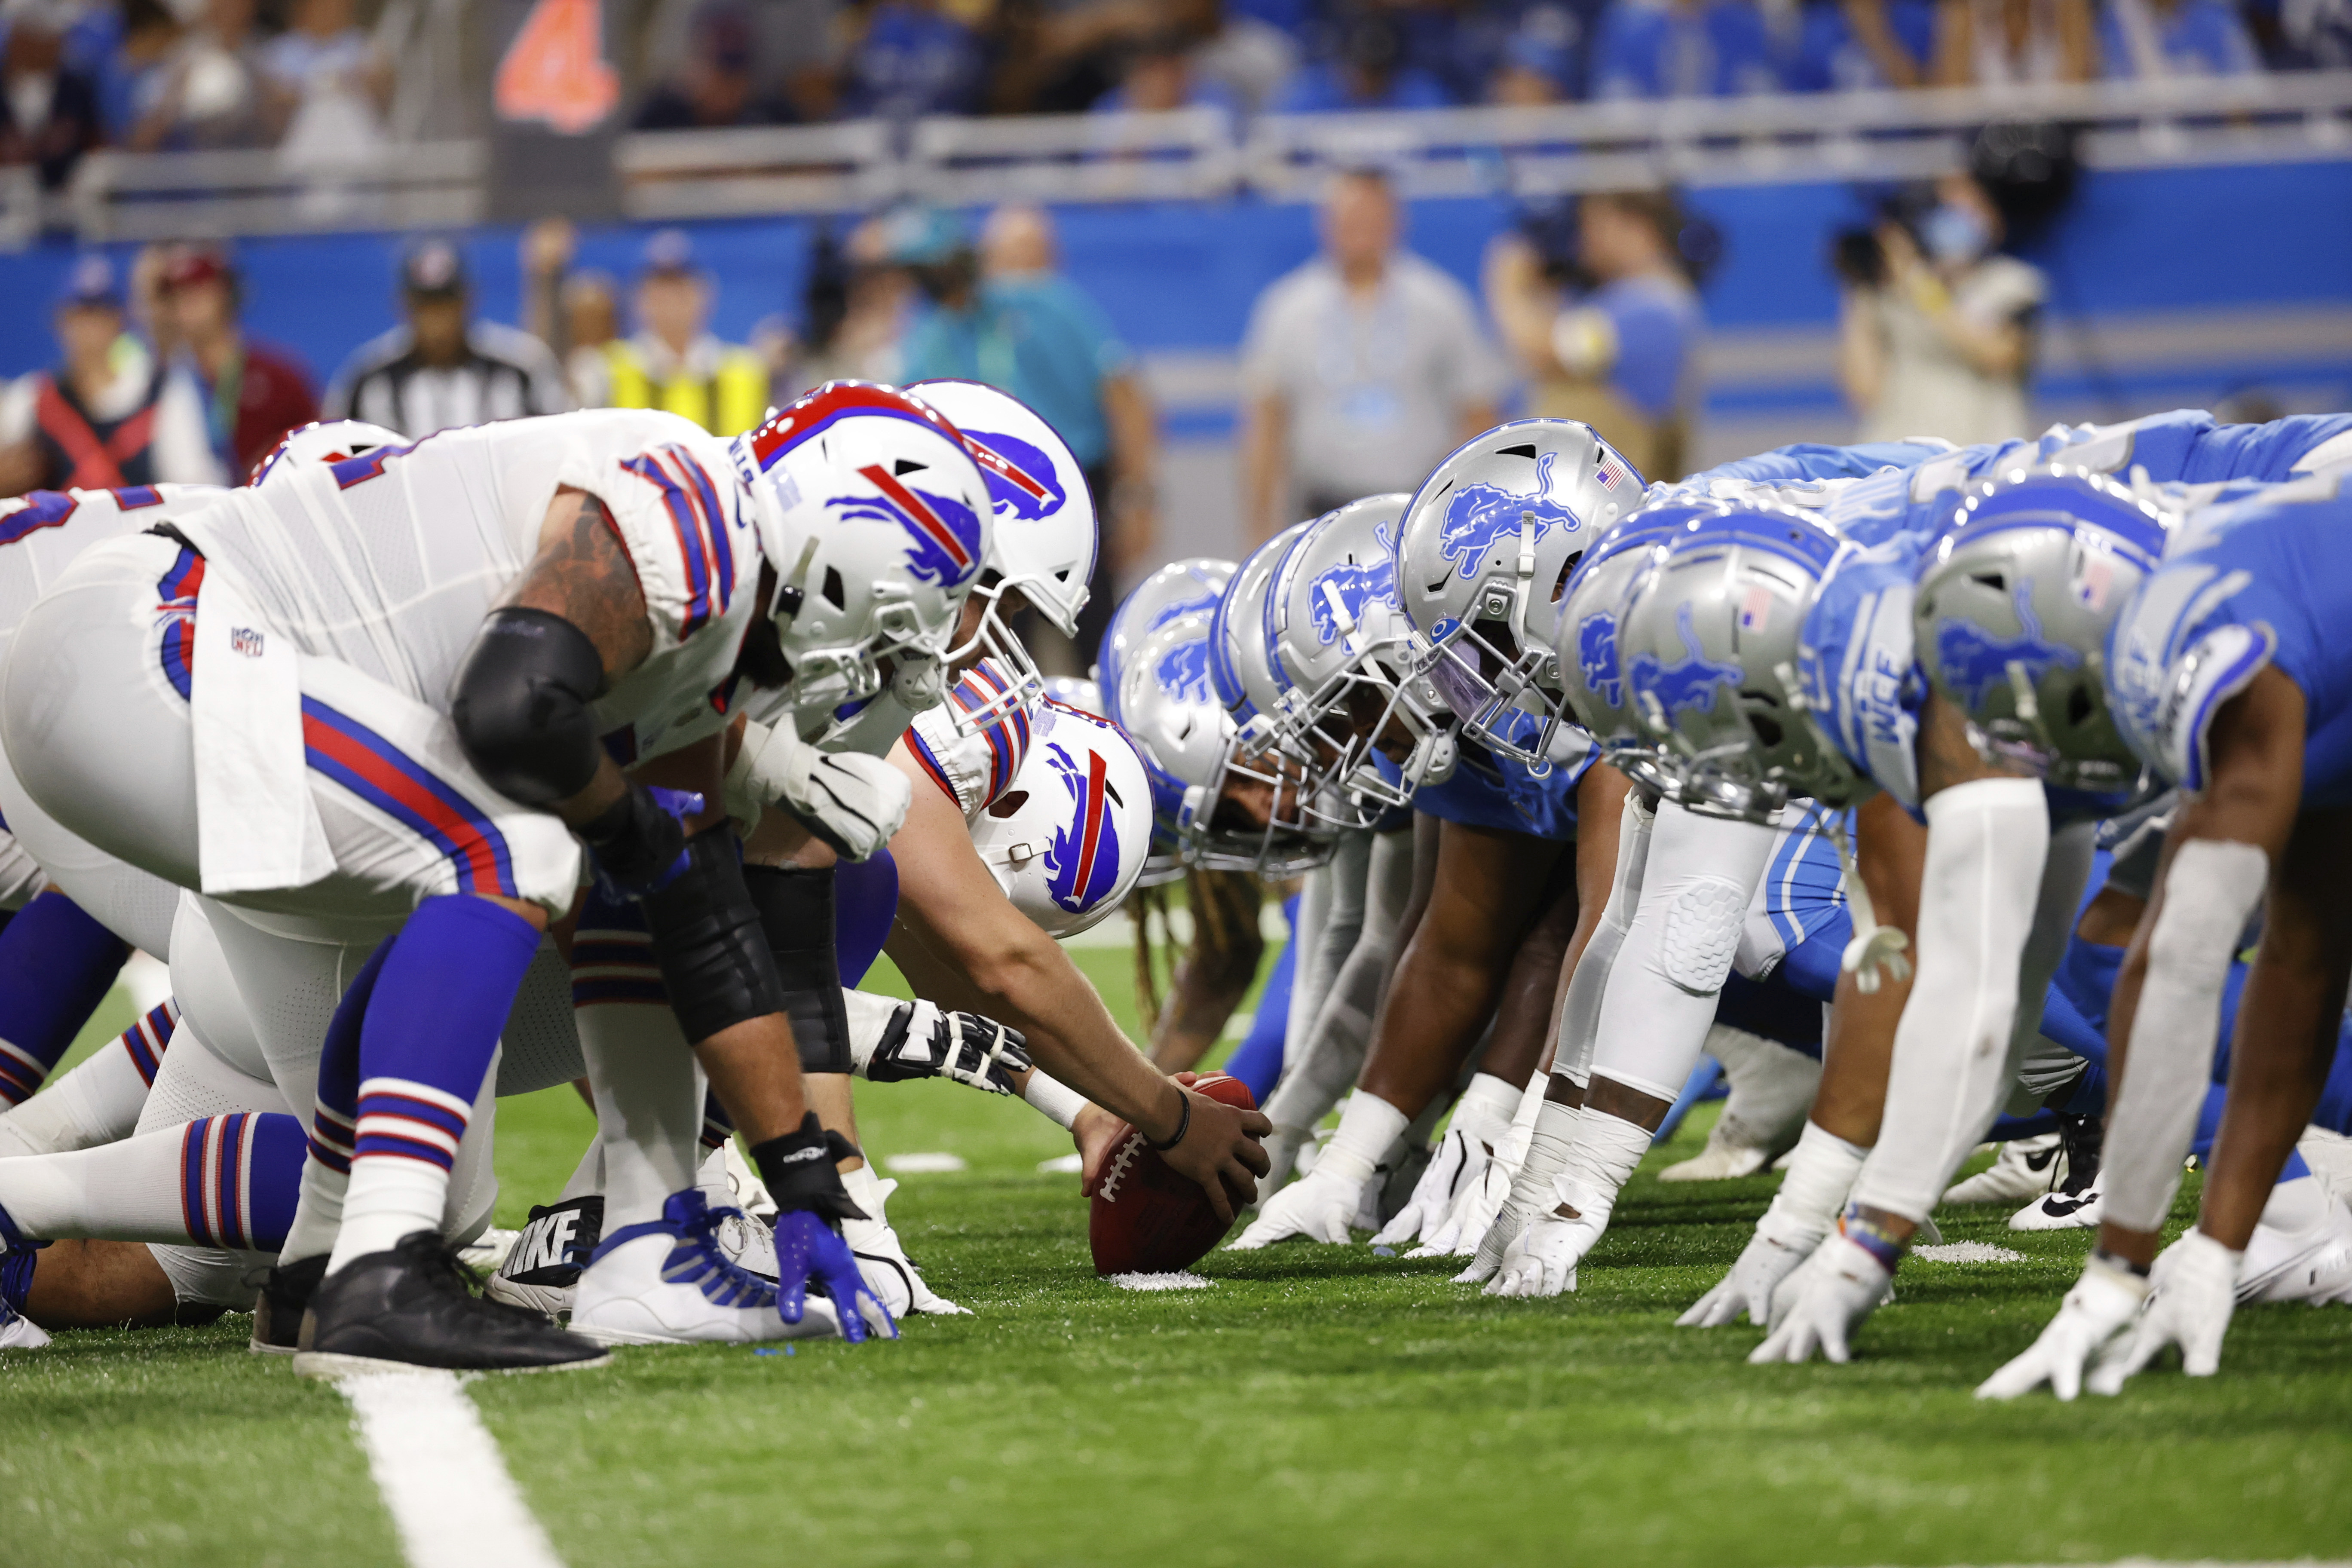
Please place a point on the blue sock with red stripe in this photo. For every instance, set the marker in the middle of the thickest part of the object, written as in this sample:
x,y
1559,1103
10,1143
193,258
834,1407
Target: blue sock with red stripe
x,y
57,965
239,1176
865,902
433,1015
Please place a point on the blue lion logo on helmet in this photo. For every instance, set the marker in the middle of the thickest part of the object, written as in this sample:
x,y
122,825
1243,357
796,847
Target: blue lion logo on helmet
x,y
1596,651
1477,515
1183,672
1355,586
1689,682
1082,862
1200,606
1973,662
1021,481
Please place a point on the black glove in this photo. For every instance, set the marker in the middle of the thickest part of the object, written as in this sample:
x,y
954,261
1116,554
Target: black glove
x,y
799,1171
924,1041
639,841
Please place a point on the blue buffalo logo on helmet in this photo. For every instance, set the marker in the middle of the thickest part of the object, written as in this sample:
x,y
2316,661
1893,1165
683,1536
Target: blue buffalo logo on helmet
x,y
1348,587
1082,862
1596,652
1183,673
1479,514
1021,481
1689,682
945,533
1974,661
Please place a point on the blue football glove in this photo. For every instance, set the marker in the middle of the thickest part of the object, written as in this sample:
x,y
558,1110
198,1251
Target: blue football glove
x,y
807,1250
640,842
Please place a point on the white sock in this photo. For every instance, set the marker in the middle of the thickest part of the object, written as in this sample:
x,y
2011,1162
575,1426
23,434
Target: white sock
x,y
389,1198
319,1214
869,1192
126,1191
1822,1171
649,1094
1055,1100
1367,1127
1600,1162
588,1176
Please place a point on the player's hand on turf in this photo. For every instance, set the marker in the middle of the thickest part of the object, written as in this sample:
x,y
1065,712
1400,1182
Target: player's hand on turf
x,y
1777,1250
1318,1207
2192,1290
1221,1149
1486,1259
1541,1260
1434,1195
1282,1147
2095,1317
1839,1285
810,1251
1475,1207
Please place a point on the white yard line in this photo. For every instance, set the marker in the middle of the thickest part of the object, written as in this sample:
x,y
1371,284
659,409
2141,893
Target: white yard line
x,y
441,1474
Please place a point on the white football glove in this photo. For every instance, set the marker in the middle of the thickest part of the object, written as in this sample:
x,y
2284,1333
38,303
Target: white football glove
x,y
1282,1147
1777,1250
1318,1207
1434,1195
1818,1307
2091,1325
1542,1260
1474,1211
1487,1260
2192,1290
852,802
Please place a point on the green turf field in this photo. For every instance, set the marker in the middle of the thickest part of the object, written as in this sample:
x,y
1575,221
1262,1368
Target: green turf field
x,y
1314,1407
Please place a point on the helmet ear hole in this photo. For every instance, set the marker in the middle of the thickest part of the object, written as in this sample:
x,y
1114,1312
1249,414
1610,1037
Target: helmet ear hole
x,y
834,590
1008,803
1996,581
2078,707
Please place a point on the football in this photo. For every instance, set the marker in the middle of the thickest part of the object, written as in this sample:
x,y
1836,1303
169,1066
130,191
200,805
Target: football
x,y
1146,1218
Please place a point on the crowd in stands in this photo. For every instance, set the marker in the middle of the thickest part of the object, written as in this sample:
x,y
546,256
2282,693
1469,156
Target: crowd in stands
x,y
315,77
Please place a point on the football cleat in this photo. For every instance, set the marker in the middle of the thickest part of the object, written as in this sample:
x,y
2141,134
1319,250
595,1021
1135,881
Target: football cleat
x,y
1772,1087
2068,1208
1725,1159
882,1258
542,1266
729,1179
284,1296
2313,1265
670,1282
2025,1169
410,1308
17,1332
486,1251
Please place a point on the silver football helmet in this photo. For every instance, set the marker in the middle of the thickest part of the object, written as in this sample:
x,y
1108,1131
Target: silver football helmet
x,y
1710,646
1187,587
1343,658
1591,632
2013,608
1482,562
1156,687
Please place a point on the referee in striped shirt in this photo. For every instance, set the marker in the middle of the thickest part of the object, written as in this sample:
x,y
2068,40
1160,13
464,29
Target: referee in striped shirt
x,y
439,370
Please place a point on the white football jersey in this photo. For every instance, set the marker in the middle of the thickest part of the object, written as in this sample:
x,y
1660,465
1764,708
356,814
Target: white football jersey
x,y
41,533
389,562
974,770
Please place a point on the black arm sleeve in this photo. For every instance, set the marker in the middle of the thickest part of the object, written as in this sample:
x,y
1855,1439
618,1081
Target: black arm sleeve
x,y
521,705
796,911
708,943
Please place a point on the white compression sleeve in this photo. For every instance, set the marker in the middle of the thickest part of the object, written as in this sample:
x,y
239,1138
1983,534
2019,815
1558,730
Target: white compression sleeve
x,y
1330,924
1580,1009
1821,1170
649,1095
1319,1067
2211,889
1987,840
1695,889
1054,1100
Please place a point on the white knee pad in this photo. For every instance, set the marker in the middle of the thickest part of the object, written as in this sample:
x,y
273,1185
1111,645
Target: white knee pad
x,y
1702,932
194,1080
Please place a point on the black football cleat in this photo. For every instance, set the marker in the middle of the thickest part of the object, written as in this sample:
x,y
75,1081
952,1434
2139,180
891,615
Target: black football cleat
x,y
410,1308
277,1312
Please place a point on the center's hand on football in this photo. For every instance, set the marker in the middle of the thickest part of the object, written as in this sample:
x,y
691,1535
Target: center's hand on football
x,y
1221,1149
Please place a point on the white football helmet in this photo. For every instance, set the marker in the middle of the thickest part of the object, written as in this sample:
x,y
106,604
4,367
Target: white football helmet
x,y
1343,656
1482,562
1043,543
1069,839
323,441
869,508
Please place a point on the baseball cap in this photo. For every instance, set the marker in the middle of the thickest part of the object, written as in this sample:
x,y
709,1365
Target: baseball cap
x,y
193,264
91,281
433,268
917,236
669,254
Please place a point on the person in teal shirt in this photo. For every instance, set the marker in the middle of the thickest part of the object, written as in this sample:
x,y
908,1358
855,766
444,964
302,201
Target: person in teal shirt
x,y
1008,317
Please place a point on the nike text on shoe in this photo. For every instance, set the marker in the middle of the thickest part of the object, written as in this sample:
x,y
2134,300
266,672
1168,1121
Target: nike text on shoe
x,y
543,1266
410,1308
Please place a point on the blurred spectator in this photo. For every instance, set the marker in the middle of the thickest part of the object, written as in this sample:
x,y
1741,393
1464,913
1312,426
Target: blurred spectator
x,y
1246,55
1851,46
2005,43
575,314
1021,325
1360,369
2150,39
912,59
1683,49
716,84
91,420
1539,63
132,75
251,395
48,111
1936,329
1617,356
439,368
673,361
853,313
1161,75
329,82
1370,71
209,93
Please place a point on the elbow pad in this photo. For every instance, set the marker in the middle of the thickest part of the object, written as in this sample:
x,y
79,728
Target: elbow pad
x,y
521,705
708,943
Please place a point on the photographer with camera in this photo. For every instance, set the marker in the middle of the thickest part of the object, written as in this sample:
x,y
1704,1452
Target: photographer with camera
x,y
1936,327
1597,304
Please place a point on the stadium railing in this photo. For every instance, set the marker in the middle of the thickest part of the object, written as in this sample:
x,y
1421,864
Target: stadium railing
x,y
1195,154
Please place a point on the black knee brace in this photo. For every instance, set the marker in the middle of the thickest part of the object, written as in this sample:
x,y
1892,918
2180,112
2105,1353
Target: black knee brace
x,y
795,907
707,944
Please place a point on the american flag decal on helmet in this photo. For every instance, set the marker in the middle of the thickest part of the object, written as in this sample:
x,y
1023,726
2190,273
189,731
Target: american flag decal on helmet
x,y
1608,473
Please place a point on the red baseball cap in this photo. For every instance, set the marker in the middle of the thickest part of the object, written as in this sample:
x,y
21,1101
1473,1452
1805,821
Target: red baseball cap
x,y
195,264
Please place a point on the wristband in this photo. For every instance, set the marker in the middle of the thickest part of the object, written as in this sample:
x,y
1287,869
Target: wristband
x,y
1857,1226
800,1170
1183,1125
